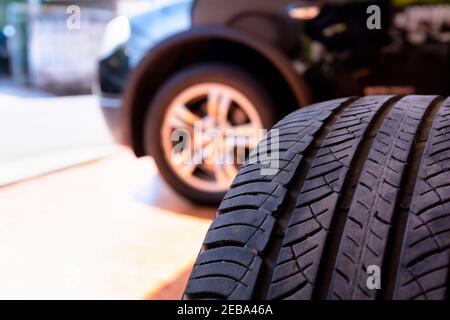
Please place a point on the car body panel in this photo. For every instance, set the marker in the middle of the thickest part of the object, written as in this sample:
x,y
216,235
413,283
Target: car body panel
x,y
147,30
175,44
151,28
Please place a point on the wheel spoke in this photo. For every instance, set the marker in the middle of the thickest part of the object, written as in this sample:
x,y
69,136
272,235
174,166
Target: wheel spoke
x,y
201,151
225,173
187,163
218,106
184,162
208,151
182,158
212,105
243,136
183,117
224,108
187,169
231,171
221,175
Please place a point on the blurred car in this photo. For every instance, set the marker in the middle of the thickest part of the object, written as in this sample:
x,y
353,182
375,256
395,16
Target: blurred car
x,y
3,54
244,64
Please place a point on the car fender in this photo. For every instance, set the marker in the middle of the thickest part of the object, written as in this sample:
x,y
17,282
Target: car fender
x,y
167,48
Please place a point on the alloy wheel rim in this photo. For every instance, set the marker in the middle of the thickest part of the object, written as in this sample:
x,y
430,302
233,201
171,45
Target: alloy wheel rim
x,y
199,113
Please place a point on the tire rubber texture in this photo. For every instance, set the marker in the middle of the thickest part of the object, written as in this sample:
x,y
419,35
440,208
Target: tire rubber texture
x,y
362,182
206,72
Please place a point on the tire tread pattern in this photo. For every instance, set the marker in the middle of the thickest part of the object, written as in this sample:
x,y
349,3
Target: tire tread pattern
x,y
247,215
333,207
425,259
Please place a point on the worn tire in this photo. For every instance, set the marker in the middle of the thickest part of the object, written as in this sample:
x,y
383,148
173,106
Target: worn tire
x,y
362,182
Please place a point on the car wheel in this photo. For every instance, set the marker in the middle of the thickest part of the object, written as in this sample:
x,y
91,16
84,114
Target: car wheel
x,y
359,208
189,124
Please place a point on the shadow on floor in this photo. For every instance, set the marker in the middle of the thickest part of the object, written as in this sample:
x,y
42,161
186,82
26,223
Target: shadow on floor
x,y
172,290
158,194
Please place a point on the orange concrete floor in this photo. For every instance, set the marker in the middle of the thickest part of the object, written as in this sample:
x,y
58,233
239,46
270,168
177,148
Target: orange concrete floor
x,y
110,229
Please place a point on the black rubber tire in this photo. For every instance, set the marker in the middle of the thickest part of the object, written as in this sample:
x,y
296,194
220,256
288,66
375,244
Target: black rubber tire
x,y
362,182
206,72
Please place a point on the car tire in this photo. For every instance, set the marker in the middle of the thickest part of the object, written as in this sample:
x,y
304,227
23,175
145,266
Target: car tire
x,y
360,208
217,73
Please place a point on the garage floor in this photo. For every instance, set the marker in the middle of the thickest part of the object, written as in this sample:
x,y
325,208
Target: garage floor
x,y
109,229
41,133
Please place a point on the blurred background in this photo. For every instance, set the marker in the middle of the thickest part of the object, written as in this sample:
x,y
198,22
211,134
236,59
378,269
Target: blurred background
x,y
80,217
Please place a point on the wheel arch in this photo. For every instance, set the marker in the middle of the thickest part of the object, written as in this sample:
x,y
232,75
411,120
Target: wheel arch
x,y
206,45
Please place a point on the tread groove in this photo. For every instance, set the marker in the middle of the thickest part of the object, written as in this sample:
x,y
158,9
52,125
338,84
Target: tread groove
x,y
265,277
407,185
328,262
